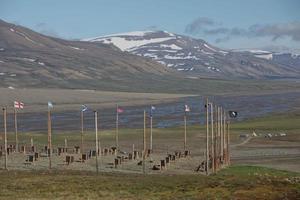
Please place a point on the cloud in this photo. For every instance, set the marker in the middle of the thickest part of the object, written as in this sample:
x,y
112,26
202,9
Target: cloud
x,y
275,31
199,25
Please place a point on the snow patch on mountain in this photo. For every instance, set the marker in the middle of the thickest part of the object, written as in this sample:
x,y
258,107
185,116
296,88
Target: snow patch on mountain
x,y
129,45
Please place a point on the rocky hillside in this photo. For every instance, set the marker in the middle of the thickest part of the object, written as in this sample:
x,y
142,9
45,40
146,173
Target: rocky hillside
x,y
29,59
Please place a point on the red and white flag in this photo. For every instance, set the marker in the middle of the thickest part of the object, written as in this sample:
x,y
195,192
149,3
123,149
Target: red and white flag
x,y
18,104
120,110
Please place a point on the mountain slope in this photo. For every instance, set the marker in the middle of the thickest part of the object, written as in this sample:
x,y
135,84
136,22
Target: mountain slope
x,y
195,56
29,59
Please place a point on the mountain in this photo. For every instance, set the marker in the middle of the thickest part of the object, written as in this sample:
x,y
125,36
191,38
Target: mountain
x,y
196,57
30,59
291,60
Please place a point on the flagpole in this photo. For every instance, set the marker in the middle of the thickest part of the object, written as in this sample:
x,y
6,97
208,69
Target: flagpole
x,y
144,142
81,145
225,137
151,147
16,130
219,138
215,138
228,141
207,153
5,137
49,137
96,133
117,131
221,131
212,135
184,144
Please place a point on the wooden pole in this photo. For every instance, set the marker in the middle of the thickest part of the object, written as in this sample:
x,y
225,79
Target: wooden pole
x,y
228,141
5,138
151,137
212,135
215,139
144,141
16,130
184,143
207,130
81,144
96,133
49,137
219,139
66,144
221,131
225,137
117,131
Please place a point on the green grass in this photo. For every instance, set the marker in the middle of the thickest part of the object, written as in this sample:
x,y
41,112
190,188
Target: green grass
x,y
236,182
289,121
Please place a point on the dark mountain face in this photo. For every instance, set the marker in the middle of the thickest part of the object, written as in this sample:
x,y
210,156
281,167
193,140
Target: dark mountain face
x,y
29,59
196,57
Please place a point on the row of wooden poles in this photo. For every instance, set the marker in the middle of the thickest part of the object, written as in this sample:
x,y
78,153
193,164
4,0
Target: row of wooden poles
x,y
217,138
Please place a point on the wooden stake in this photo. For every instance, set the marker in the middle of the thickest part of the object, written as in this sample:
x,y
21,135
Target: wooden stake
x,y
207,130
144,141
81,144
97,148
49,138
184,143
16,130
212,135
5,138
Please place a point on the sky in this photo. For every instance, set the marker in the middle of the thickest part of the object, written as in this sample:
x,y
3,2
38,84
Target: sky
x,y
229,24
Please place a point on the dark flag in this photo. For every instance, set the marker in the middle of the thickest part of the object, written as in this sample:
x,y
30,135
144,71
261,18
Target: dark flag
x,y
233,114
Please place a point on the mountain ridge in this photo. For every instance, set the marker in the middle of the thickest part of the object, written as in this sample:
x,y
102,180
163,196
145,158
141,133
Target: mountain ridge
x,y
195,56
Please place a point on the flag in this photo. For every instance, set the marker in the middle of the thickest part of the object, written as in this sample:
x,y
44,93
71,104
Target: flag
x,y
206,105
18,104
232,114
50,105
152,110
119,110
187,108
83,108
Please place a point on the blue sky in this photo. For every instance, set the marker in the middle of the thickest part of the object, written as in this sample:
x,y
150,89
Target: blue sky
x,y
227,23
